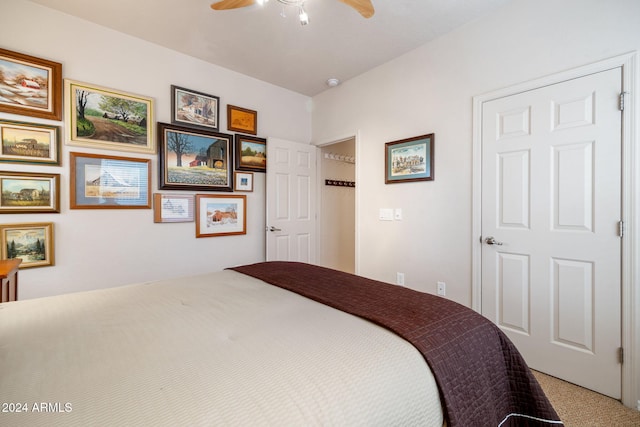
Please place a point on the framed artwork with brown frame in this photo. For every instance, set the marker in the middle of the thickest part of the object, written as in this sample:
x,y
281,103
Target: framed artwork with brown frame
x,y
220,215
409,160
26,192
192,159
30,86
194,109
109,182
243,181
31,242
251,153
34,143
99,117
173,207
242,120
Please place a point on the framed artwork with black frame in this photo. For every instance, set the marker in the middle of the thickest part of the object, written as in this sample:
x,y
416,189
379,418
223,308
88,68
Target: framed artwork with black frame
x,y
194,109
409,160
192,159
251,153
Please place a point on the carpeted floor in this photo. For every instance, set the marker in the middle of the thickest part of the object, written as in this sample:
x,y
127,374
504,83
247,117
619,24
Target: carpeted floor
x,y
579,407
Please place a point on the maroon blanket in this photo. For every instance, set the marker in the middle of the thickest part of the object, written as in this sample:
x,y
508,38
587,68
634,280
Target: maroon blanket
x,y
482,378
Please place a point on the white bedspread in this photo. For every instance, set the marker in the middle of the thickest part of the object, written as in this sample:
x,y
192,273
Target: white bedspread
x,y
217,349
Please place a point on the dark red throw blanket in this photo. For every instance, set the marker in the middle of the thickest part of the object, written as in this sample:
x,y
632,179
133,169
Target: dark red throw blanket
x,y
482,378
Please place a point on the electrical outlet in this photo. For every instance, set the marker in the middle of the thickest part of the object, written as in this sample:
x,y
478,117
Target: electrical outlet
x,y
400,279
442,288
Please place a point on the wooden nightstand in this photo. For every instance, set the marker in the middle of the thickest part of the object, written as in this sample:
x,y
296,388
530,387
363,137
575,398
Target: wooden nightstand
x,y
9,279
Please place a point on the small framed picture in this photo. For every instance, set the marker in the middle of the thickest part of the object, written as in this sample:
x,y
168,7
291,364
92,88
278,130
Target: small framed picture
x,y
219,215
32,242
194,109
34,143
109,182
23,192
173,207
99,117
251,153
192,159
242,120
243,181
409,160
30,86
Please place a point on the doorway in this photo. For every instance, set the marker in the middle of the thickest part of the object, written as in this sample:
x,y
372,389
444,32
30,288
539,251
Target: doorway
x,y
337,172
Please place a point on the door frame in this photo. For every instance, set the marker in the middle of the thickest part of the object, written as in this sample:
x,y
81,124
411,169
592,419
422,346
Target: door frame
x,y
630,269
319,144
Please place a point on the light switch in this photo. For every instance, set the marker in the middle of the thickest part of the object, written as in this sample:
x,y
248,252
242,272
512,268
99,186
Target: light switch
x,y
386,214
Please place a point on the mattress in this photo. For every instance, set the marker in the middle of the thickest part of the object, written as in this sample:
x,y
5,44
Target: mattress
x,y
216,349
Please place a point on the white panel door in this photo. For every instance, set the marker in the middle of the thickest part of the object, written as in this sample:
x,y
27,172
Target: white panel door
x,y
551,205
291,201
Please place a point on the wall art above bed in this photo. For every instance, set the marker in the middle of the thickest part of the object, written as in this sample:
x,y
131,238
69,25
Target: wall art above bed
x,y
31,242
218,215
99,117
24,192
24,142
30,86
194,109
192,159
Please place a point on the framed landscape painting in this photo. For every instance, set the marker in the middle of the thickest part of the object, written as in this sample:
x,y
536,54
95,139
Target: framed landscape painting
x,y
99,117
194,109
24,192
219,215
109,182
242,120
192,159
251,153
31,242
409,160
29,143
30,86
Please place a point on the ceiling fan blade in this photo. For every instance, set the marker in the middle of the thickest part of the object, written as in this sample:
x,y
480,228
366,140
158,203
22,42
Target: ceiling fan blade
x,y
364,7
231,4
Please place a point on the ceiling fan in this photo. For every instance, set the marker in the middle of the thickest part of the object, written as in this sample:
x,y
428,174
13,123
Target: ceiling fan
x,y
363,7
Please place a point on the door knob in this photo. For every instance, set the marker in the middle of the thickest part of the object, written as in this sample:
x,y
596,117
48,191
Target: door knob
x,y
492,241
272,229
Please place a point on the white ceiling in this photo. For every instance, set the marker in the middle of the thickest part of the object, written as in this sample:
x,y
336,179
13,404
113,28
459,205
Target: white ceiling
x,y
258,42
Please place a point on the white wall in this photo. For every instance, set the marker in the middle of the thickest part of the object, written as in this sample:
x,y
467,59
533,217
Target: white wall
x,y
430,90
102,248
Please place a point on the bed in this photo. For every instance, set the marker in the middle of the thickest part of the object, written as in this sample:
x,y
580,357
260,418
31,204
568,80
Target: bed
x,y
273,344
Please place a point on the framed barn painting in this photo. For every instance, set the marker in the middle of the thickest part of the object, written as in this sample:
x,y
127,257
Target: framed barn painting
x,y
409,160
242,120
24,192
30,86
220,215
109,182
192,159
31,242
99,117
29,143
194,109
251,153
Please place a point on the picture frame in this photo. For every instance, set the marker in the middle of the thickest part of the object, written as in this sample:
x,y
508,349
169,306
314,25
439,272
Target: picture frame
x,y
31,242
99,117
173,207
409,160
242,120
31,86
109,182
192,159
243,181
24,192
251,153
194,109
34,143
221,215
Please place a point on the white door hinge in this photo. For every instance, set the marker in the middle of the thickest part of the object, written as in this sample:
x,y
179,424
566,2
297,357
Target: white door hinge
x,y
621,228
620,355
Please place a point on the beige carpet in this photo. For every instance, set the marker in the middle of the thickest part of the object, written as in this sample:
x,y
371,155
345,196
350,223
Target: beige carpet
x,y
579,407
